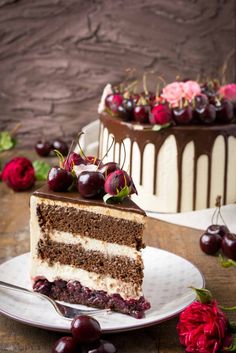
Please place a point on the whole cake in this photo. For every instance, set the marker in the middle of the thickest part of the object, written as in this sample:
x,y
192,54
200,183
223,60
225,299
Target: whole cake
x,y
178,145
83,249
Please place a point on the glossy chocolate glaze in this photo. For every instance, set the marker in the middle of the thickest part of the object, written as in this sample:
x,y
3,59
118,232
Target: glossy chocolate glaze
x,y
202,136
126,205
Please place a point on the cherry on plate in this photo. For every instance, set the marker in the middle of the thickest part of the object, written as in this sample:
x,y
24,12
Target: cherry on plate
x,y
66,345
85,329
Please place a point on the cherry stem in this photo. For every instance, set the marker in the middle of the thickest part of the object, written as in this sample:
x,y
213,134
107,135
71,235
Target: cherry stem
x,y
81,150
217,213
70,149
60,157
124,154
112,142
15,129
145,84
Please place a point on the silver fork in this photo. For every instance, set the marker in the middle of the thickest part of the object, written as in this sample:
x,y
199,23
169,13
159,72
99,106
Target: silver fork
x,y
66,311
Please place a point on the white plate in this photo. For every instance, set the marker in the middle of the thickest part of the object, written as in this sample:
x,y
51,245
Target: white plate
x,y
167,278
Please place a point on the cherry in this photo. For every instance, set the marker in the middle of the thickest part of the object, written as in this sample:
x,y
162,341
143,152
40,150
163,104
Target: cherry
x,y
210,241
91,184
113,101
125,110
223,230
228,245
108,168
104,347
141,113
224,111
116,181
183,115
220,229
71,160
200,102
43,148
66,345
59,179
207,115
61,146
160,114
85,329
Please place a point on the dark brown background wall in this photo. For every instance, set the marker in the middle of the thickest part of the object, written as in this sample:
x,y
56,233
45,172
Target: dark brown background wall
x,y
56,55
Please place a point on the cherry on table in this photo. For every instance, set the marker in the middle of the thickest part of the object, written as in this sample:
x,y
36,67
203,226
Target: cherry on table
x,y
59,179
228,245
104,347
85,329
91,184
66,345
43,148
210,241
61,146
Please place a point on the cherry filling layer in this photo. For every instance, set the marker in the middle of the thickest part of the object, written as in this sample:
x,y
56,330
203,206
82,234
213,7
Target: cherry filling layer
x,y
73,292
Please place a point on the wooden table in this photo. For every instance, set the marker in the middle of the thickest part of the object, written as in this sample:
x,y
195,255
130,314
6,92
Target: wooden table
x,y
14,240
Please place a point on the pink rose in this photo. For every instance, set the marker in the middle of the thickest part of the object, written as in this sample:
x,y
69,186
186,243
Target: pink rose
x,y
203,328
191,90
228,91
173,93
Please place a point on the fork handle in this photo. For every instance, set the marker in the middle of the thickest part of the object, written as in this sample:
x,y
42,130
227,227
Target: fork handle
x,y
13,286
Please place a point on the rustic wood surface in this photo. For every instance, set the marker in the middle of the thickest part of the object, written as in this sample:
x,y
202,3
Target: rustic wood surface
x,y
56,55
14,240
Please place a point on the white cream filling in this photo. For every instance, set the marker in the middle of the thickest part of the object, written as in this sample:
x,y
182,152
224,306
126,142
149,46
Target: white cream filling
x,y
109,249
91,280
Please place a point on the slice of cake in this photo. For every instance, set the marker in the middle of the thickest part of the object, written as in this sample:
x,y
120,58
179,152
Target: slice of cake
x,y
86,251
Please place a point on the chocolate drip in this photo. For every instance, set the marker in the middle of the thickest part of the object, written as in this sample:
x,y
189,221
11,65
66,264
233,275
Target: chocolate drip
x,y
202,136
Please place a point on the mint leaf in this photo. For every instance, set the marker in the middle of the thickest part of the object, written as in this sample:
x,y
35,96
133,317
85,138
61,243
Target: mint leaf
x,y
108,198
157,127
226,262
6,141
203,295
41,170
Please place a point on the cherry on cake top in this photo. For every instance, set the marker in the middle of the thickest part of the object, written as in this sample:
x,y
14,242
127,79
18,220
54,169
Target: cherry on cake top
x,y
178,103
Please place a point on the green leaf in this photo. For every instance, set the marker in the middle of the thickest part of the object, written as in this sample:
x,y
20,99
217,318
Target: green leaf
x,y
203,295
41,170
232,325
108,198
232,347
6,141
226,262
157,127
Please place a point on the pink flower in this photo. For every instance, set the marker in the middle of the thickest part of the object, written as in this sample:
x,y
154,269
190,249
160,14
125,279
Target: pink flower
x,y
228,91
191,90
203,328
173,93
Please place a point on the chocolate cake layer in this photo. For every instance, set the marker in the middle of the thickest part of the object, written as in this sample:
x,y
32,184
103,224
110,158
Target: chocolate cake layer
x,y
119,267
89,224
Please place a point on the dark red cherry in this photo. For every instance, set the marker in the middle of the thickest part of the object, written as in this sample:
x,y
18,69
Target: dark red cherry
x,y
93,160
85,329
183,115
228,245
223,230
91,184
125,110
207,115
43,148
116,181
108,168
59,179
61,146
210,241
113,101
104,347
160,114
141,113
66,345
224,111
73,159
200,102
